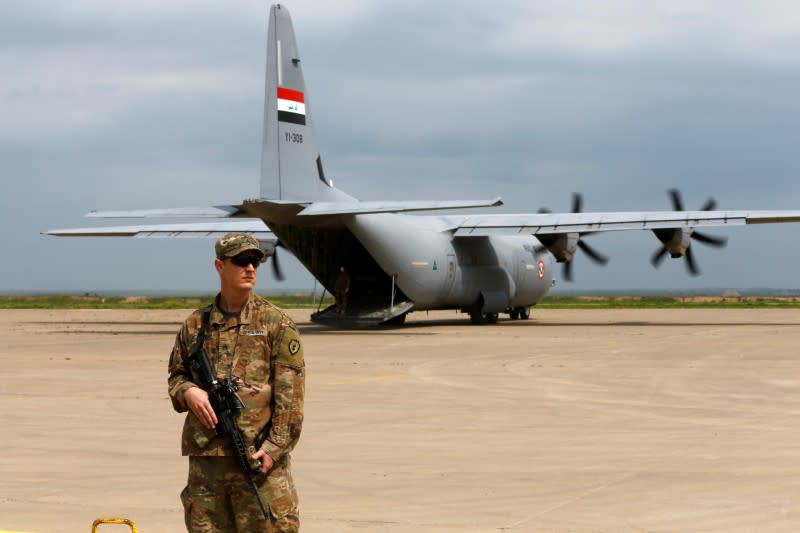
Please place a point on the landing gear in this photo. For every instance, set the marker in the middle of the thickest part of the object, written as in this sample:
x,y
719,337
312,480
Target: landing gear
x,y
520,313
478,316
483,318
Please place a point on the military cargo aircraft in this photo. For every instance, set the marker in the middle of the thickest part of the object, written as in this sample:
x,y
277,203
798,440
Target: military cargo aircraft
x,y
480,264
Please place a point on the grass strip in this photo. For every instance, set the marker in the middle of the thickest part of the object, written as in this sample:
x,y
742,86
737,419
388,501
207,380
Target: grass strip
x,y
97,301
305,301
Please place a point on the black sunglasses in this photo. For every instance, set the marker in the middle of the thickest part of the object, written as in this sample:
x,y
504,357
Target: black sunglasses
x,y
244,260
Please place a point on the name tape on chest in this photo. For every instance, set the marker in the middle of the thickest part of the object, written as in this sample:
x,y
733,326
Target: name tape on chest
x,y
253,333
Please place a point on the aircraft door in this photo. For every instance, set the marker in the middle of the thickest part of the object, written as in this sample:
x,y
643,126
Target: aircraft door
x,y
451,275
524,266
525,276
519,269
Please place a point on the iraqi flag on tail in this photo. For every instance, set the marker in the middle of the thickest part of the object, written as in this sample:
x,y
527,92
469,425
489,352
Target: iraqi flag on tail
x,y
291,106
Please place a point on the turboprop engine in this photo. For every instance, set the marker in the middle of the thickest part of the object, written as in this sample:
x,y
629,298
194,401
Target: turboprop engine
x,y
561,245
677,241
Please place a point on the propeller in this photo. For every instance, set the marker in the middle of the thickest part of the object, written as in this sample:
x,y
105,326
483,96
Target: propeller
x,y
276,266
679,235
594,255
273,253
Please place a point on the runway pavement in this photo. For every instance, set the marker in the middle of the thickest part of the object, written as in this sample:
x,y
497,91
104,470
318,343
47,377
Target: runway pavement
x,y
573,421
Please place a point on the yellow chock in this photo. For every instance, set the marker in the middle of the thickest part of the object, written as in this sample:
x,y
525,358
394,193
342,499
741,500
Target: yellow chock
x,y
114,521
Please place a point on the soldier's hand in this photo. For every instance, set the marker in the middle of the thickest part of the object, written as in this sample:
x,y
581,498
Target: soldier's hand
x,y
197,400
266,460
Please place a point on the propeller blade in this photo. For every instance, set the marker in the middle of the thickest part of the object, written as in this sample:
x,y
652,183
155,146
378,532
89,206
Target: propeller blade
x,y
677,203
710,240
568,270
276,267
658,256
710,205
596,256
690,264
577,202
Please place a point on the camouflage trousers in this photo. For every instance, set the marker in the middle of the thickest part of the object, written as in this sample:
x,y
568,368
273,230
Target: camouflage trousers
x,y
219,499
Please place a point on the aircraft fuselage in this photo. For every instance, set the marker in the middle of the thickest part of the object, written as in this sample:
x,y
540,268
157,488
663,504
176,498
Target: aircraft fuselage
x,y
416,260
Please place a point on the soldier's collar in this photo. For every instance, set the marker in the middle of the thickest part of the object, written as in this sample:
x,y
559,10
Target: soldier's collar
x,y
219,317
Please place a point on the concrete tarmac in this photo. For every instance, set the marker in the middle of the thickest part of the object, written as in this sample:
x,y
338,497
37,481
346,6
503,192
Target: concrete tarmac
x,y
573,421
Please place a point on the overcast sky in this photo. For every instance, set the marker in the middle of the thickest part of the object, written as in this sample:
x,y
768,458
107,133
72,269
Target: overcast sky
x,y
127,105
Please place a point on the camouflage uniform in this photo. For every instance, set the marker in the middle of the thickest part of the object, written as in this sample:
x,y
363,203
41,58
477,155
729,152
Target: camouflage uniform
x,y
260,348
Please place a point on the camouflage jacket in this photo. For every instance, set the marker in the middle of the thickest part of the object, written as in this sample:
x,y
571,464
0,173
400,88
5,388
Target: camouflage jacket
x,y
261,350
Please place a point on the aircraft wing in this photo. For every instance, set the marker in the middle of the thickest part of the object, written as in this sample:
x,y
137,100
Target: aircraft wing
x,y
249,207
552,223
219,211
189,230
362,208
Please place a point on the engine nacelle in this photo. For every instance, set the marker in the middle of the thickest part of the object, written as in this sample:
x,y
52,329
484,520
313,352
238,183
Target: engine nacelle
x,y
675,240
561,245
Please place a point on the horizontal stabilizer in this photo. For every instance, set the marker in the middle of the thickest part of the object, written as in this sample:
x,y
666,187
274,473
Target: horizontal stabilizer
x,y
362,208
192,230
220,211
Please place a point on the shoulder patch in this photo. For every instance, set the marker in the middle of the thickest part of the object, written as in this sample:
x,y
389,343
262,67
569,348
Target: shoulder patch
x,y
294,346
290,350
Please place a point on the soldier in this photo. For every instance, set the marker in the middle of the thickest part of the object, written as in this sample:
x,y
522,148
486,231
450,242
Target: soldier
x,y
341,288
258,346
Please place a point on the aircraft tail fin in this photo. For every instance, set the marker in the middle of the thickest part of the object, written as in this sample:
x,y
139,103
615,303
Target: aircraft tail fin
x,y
291,167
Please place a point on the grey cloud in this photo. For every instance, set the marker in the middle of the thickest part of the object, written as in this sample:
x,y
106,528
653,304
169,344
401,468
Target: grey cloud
x,y
157,106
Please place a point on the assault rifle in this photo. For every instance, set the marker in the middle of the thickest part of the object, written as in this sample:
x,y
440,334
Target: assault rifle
x,y
226,404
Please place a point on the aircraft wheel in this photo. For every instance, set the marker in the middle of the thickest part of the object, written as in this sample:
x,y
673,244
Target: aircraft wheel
x,y
525,313
476,317
514,314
